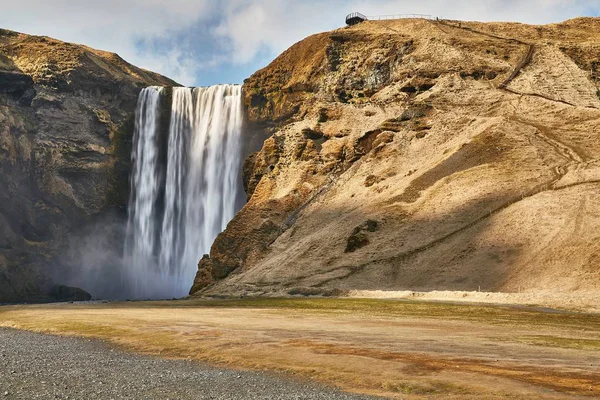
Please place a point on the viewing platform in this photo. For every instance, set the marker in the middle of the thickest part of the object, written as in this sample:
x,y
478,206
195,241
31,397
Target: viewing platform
x,y
357,18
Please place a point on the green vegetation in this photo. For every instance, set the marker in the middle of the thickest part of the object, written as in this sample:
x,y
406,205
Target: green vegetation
x,y
504,315
563,342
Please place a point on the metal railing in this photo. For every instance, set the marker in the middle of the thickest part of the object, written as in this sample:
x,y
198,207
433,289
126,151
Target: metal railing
x,y
399,16
357,17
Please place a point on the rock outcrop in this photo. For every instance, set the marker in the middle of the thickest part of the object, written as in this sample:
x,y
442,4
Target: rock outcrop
x,y
66,120
416,154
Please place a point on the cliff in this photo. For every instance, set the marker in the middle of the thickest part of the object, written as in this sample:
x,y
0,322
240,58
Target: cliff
x,y
421,155
66,120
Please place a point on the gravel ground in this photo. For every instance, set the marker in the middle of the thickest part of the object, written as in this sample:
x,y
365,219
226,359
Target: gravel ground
x,y
35,366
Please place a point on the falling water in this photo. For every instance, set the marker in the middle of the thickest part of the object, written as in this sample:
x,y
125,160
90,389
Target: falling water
x,y
185,185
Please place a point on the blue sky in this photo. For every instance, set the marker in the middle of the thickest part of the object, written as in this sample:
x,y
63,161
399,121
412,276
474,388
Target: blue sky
x,y
203,42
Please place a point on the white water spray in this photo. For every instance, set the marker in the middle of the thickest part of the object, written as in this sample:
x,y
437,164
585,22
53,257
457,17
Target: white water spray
x,y
185,185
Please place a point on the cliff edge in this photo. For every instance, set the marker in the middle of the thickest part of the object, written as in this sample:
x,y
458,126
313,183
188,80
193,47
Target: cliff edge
x,y
421,155
66,120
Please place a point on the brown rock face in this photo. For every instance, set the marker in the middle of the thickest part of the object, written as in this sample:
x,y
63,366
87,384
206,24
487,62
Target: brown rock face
x,y
472,184
204,276
66,120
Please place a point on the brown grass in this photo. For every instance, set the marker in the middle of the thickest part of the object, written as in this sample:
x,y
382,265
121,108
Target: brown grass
x,y
390,348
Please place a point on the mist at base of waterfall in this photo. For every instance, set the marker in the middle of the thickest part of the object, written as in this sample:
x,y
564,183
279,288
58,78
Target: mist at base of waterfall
x,y
185,188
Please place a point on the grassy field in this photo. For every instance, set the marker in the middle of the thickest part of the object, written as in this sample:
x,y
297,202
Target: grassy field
x,y
391,348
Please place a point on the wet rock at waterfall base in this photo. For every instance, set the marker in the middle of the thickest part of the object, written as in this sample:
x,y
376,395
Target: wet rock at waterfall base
x,y
68,293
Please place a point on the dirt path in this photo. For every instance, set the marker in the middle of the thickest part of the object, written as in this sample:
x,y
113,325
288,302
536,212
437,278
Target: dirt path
x,y
392,348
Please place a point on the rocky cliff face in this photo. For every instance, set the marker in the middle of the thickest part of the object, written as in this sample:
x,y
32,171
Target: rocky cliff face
x,y
416,154
66,120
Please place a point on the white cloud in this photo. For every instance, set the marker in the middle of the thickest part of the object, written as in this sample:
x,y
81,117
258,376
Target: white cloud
x,y
113,25
246,31
252,25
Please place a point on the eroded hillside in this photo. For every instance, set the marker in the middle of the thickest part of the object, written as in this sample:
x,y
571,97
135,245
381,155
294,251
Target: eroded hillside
x,y
66,116
415,154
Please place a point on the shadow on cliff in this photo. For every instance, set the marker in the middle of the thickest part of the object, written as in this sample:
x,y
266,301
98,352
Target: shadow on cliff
x,y
463,249
501,242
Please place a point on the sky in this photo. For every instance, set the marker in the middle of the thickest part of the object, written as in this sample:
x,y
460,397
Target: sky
x,y
205,42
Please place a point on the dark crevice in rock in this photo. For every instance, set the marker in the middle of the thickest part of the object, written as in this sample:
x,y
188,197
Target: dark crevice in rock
x,y
359,237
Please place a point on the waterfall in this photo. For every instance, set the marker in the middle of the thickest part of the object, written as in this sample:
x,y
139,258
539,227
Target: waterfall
x,y
185,185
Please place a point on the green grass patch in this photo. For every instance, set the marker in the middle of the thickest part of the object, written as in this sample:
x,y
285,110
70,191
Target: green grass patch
x,y
562,342
385,308
491,314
